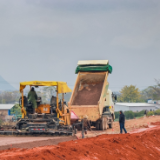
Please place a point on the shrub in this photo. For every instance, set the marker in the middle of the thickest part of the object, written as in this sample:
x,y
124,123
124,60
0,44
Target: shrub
x,y
150,113
157,112
116,115
129,114
139,114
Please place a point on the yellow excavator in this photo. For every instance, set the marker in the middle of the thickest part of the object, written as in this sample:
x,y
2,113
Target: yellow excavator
x,y
49,118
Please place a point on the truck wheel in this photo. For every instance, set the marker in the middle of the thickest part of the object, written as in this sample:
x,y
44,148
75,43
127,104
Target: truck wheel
x,y
97,126
106,123
111,124
103,124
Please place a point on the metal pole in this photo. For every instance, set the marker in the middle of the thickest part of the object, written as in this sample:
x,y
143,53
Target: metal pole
x,y
57,102
22,109
22,100
63,103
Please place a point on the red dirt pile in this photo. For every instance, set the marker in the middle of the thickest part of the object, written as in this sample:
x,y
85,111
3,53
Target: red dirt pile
x,y
155,123
141,146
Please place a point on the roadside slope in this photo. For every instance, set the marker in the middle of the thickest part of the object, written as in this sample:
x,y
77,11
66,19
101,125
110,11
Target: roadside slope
x,y
143,145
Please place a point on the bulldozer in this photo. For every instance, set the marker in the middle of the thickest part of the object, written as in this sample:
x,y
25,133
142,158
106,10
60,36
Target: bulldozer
x,y
53,118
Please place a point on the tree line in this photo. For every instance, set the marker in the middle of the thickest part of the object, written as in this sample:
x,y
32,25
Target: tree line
x,y
133,94
9,97
132,115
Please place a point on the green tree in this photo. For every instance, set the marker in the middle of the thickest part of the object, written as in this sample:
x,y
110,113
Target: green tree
x,y
156,88
150,113
150,93
157,112
139,114
129,94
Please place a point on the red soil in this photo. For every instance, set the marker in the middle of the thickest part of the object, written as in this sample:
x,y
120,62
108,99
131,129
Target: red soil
x,y
155,123
144,145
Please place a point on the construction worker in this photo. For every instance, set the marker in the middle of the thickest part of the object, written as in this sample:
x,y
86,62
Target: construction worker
x,y
86,124
145,112
32,97
122,122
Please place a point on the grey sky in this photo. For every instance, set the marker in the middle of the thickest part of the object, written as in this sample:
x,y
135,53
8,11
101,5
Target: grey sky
x,y
44,39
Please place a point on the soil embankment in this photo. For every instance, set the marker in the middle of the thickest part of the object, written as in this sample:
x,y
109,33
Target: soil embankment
x,y
143,145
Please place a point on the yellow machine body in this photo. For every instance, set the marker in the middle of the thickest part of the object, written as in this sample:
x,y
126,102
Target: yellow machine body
x,y
43,108
62,87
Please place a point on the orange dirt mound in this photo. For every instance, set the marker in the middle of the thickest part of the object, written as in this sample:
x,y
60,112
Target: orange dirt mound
x,y
144,145
155,123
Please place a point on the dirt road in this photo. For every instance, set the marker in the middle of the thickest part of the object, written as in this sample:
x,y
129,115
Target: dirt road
x,y
30,142
7,142
136,146
129,124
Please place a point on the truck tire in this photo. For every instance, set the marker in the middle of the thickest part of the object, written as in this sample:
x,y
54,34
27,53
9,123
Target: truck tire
x,y
106,124
97,125
111,124
103,123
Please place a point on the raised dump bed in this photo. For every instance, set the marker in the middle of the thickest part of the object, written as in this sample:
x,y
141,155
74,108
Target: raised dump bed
x,y
91,97
88,89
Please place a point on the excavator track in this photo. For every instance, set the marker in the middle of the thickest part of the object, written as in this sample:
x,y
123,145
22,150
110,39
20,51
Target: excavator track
x,y
37,126
58,132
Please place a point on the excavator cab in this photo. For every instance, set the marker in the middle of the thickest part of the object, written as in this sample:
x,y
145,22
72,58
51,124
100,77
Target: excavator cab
x,y
28,105
54,115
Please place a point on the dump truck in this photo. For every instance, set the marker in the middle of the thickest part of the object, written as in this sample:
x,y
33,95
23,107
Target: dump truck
x,y
91,95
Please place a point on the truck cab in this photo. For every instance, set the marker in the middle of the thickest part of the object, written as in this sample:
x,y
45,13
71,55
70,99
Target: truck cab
x,y
109,104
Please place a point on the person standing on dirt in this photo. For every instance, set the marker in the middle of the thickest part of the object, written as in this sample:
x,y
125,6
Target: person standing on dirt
x,y
86,124
32,97
122,122
145,113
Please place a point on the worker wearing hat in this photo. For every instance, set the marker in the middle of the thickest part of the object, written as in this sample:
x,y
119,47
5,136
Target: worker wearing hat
x,y
32,97
86,124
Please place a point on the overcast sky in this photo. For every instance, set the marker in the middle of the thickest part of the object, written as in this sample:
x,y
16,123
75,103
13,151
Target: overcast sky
x,y
44,39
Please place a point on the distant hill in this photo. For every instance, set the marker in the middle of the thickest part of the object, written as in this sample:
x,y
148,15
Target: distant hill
x,y
5,86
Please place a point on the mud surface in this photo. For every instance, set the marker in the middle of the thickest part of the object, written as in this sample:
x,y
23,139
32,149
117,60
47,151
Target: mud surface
x,y
130,125
88,95
138,146
36,141
142,142
30,142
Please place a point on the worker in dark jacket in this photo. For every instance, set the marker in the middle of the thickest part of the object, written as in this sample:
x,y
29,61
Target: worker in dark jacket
x,y
86,124
32,97
122,122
